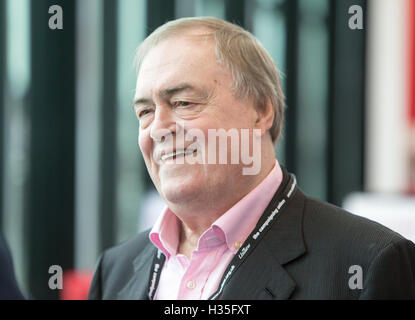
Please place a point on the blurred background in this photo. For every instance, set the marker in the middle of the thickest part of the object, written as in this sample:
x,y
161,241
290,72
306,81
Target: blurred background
x,y
72,179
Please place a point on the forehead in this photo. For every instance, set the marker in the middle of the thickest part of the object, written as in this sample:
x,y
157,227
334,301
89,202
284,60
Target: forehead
x,y
185,58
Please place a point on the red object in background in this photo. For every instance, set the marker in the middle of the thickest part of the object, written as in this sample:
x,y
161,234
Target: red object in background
x,y
411,106
76,285
411,21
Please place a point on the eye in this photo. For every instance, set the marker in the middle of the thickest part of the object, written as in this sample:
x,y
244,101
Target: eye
x,y
178,104
143,112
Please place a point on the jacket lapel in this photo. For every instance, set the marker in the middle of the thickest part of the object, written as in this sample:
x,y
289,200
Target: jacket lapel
x,y
263,275
137,287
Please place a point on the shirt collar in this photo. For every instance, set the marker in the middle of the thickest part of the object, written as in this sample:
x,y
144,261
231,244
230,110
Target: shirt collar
x,y
165,232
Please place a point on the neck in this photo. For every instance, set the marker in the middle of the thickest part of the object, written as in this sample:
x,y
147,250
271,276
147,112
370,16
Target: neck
x,y
199,212
196,220
188,240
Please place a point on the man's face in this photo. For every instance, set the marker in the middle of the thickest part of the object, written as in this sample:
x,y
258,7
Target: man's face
x,y
181,87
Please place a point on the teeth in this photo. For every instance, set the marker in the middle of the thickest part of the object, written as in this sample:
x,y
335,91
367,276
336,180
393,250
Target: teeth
x,y
176,153
171,154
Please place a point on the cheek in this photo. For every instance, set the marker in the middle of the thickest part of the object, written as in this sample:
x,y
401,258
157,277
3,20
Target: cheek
x,y
145,144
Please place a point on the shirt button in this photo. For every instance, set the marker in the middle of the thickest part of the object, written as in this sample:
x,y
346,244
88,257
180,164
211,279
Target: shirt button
x,y
191,284
237,245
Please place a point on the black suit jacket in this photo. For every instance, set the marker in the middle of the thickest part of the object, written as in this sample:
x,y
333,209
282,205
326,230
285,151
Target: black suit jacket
x,y
9,290
306,254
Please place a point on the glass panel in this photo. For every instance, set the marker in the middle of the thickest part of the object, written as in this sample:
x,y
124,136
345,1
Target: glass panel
x,y
16,131
130,182
88,128
210,8
313,50
269,28
184,8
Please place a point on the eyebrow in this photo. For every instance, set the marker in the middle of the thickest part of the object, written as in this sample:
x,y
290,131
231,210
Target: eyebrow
x,y
138,101
171,91
168,92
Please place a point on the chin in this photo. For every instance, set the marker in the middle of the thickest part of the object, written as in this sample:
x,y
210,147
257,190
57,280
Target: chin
x,y
180,192
178,186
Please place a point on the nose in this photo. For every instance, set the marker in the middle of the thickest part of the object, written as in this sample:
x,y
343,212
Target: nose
x,y
163,124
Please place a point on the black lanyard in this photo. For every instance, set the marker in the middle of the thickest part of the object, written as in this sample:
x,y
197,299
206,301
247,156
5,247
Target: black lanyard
x,y
261,228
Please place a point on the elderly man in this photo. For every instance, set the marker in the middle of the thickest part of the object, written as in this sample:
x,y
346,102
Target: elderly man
x,y
233,231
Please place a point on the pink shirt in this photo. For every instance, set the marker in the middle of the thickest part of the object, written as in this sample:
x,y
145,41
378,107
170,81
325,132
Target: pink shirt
x,y
199,277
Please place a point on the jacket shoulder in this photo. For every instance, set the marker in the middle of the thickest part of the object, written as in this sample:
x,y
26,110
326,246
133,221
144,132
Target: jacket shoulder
x,y
325,220
337,240
115,266
129,249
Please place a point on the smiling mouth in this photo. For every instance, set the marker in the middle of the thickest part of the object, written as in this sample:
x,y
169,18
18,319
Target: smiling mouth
x,y
177,154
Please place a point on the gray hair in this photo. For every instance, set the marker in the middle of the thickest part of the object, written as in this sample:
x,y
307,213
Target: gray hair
x,y
253,70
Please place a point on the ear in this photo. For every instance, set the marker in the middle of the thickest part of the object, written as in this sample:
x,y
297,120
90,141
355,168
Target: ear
x,y
265,117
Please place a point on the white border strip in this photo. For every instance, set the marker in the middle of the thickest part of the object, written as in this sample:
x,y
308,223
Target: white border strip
x,y
386,96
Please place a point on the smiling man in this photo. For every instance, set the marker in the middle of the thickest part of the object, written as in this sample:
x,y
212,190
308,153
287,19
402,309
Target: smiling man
x,y
228,232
